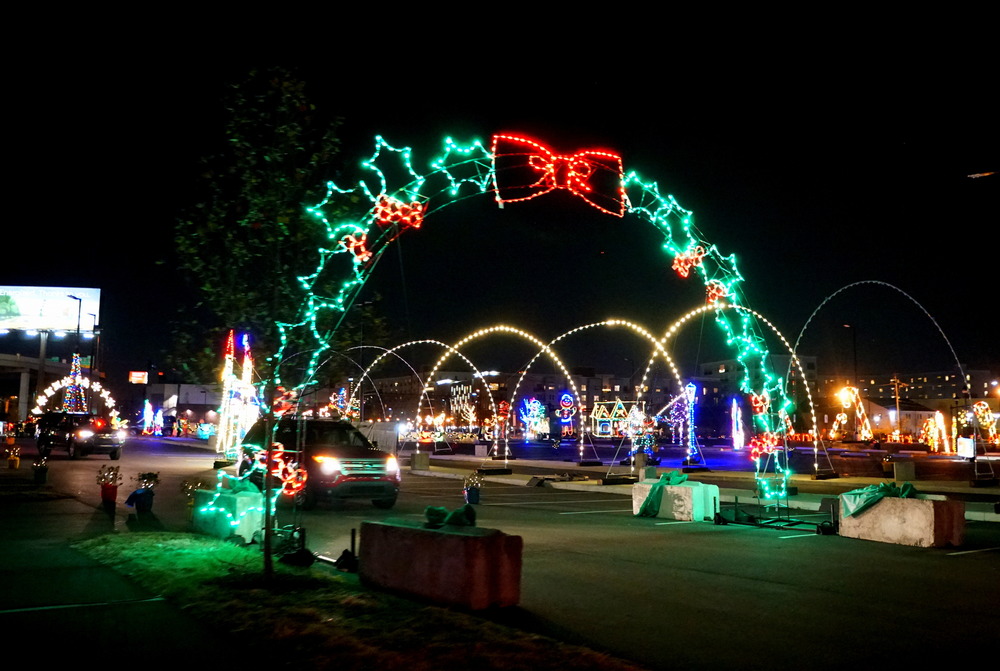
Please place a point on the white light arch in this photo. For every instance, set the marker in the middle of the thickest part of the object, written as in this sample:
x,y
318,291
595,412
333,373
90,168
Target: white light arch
x,y
42,400
675,327
423,384
502,328
657,346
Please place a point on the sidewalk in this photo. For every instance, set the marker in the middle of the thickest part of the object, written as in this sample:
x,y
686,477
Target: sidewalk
x,y
71,609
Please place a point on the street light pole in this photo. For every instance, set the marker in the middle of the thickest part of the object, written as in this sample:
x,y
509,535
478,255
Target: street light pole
x,y
79,309
361,356
95,348
854,383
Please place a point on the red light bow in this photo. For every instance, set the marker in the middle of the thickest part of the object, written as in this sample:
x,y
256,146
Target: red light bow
x,y
529,170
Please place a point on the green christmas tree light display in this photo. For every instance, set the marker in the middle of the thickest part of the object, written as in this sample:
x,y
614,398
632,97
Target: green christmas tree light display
x,y
74,399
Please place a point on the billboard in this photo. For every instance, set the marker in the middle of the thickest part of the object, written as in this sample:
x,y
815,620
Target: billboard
x,y
48,308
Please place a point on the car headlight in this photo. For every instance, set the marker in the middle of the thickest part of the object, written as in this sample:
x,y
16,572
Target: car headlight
x,y
84,433
327,465
391,465
121,435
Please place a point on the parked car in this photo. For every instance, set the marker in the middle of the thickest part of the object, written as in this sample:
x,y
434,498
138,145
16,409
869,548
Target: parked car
x,y
80,433
324,459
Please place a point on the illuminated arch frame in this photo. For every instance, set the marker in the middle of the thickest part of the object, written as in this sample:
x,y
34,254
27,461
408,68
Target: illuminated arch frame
x,y
501,328
423,383
365,372
958,364
674,328
43,399
463,171
657,346
852,285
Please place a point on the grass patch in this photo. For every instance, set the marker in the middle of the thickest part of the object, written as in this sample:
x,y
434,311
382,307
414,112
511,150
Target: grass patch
x,y
323,620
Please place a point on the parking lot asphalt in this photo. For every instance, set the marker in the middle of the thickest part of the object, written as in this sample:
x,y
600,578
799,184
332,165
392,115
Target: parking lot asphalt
x,y
51,592
806,492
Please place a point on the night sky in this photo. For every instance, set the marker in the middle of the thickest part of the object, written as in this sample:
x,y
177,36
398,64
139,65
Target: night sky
x,y
814,182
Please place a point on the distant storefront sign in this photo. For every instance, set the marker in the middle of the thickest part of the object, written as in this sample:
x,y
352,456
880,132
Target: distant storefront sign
x,y
138,377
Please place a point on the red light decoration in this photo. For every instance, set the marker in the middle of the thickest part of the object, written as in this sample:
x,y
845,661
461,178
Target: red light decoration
x,y
715,291
389,211
230,346
529,169
760,403
356,246
285,401
687,260
285,468
764,443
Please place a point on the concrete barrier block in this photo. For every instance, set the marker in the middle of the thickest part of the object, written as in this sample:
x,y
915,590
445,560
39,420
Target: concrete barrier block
x,y
640,491
915,522
710,498
420,461
469,567
224,514
904,471
691,501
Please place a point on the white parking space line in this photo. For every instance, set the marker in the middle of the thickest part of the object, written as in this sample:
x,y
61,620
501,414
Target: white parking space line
x,y
540,502
971,552
593,512
664,524
799,536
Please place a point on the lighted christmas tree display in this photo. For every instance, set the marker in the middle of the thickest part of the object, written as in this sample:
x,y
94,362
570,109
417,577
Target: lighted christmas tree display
x,y
461,404
74,399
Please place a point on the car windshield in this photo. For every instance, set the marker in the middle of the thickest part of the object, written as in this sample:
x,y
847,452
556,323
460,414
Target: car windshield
x,y
65,420
336,438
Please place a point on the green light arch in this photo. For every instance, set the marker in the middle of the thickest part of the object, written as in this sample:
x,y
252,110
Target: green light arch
x,y
400,197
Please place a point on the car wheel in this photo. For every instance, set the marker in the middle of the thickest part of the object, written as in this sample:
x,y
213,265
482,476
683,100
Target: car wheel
x,y
256,478
44,450
384,504
115,454
306,499
73,450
